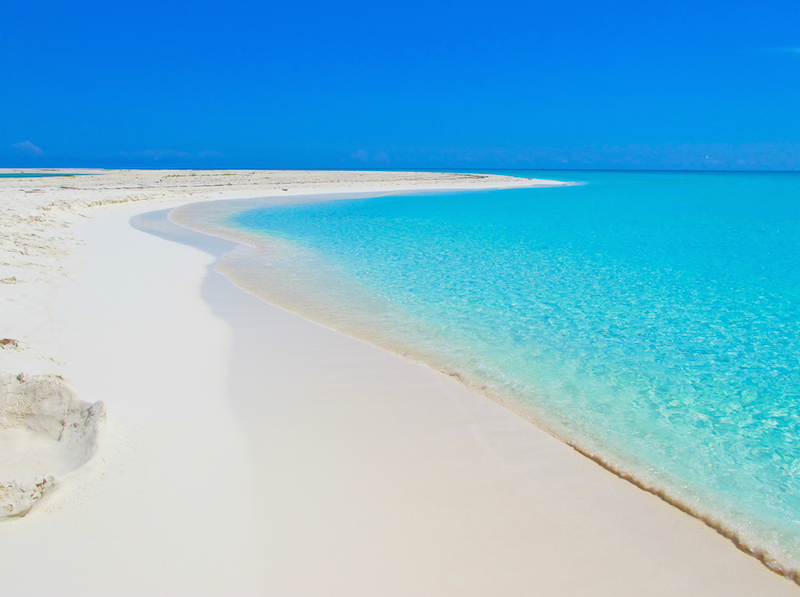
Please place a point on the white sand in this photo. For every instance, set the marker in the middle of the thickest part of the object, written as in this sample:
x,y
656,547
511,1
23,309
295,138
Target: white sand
x,y
250,452
46,434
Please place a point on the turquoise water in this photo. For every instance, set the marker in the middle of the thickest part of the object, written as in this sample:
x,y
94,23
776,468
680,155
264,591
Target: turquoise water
x,y
31,174
652,319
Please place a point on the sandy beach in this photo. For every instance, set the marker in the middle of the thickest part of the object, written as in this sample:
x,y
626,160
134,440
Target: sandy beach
x,y
247,451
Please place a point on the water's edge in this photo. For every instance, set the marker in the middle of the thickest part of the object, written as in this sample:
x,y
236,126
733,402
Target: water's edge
x,y
226,241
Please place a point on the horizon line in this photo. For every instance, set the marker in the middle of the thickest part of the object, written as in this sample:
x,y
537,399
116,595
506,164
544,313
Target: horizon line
x,y
540,169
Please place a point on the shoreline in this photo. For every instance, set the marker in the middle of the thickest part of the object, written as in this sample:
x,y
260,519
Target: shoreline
x,y
612,487
200,218
447,479
38,215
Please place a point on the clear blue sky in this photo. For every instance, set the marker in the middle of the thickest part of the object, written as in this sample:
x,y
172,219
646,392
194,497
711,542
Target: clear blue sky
x,y
434,84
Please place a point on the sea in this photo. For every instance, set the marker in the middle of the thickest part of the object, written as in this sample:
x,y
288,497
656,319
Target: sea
x,y
649,319
32,174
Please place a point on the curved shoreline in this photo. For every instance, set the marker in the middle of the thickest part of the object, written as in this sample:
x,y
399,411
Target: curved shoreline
x,y
727,528
630,505
342,469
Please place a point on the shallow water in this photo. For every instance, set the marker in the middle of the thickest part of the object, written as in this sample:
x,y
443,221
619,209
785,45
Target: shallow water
x,y
653,319
32,174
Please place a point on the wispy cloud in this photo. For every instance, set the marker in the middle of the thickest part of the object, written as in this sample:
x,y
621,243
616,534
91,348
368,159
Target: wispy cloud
x,y
157,154
668,156
28,148
791,50
360,154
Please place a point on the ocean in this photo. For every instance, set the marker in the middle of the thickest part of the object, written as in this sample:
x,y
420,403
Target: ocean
x,y
650,319
33,174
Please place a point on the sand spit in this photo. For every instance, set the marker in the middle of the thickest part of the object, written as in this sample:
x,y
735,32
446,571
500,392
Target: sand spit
x,y
37,216
36,239
46,432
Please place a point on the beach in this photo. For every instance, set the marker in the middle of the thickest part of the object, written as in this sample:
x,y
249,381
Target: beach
x,y
248,451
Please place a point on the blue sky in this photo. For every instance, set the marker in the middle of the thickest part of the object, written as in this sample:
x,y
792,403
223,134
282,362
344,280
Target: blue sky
x,y
436,84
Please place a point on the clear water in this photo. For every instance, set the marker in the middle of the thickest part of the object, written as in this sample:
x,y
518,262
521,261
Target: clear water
x,y
653,319
31,174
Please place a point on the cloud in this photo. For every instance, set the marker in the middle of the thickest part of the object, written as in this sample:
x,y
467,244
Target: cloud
x,y
361,154
162,153
28,148
382,157
158,154
787,50
666,156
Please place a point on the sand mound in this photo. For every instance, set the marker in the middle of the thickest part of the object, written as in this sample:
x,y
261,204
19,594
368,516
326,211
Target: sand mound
x,y
46,432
